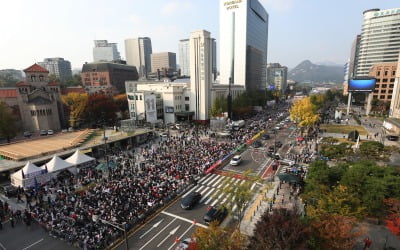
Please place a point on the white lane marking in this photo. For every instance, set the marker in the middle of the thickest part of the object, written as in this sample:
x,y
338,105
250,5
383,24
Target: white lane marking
x,y
242,182
219,180
207,178
180,237
188,192
170,233
234,208
154,226
236,182
206,195
184,219
253,186
214,176
157,234
198,190
217,199
226,198
2,247
205,190
34,243
211,182
203,178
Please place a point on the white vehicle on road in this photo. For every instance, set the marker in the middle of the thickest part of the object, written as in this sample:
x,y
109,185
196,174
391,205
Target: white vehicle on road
x,y
236,160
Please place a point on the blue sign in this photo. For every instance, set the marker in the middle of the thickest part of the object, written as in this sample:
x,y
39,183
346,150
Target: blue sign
x,y
362,84
271,87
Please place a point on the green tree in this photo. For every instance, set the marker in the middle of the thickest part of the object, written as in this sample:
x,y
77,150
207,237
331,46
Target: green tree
x,y
371,149
74,81
7,81
8,128
220,105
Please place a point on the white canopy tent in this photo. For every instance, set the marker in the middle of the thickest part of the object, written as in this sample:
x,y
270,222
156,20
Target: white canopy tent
x,y
56,165
28,175
81,160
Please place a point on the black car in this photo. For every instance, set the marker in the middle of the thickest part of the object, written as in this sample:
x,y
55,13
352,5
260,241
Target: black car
x,y
215,214
9,191
190,200
257,144
278,144
265,136
271,149
392,137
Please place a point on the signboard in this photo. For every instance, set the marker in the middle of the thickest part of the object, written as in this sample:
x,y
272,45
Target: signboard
x,y
151,109
271,87
362,85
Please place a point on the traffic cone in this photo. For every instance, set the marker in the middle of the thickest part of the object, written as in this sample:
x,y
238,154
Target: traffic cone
x,y
194,221
176,240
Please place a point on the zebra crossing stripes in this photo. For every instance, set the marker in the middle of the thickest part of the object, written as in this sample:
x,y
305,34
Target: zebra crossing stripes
x,y
210,180
204,178
205,190
206,195
188,192
215,179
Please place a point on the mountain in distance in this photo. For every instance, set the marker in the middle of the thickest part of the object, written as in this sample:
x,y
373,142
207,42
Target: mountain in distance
x,y
306,71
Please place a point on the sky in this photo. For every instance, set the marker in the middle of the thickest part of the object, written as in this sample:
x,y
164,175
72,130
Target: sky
x,y
317,30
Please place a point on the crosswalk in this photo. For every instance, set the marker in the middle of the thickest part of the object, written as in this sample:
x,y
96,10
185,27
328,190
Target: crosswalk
x,y
210,187
286,169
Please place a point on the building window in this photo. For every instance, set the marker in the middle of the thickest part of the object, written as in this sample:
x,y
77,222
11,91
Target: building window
x,y
391,86
383,91
136,97
392,79
186,98
385,80
140,97
384,86
375,97
187,107
376,91
393,73
390,91
386,73
378,73
389,97
382,97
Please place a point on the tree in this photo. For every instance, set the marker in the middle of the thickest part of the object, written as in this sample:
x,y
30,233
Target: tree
x,y
122,103
393,217
8,128
220,105
335,232
101,110
371,149
74,81
7,81
212,237
303,112
76,103
282,229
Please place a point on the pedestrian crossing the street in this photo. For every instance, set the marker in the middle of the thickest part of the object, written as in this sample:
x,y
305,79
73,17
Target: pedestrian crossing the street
x,y
210,187
284,169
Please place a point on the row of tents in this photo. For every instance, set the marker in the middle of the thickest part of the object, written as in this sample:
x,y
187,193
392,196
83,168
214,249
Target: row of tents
x,y
31,175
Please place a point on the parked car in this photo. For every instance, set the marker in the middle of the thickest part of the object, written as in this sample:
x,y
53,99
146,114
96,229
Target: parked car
x,y
278,144
190,200
184,244
27,134
215,214
43,132
50,132
392,137
271,149
9,191
236,160
70,129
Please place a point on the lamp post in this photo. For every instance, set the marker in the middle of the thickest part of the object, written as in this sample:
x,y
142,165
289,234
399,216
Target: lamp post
x,y
121,227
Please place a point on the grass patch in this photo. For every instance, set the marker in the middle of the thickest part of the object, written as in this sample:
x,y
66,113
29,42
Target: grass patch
x,y
342,129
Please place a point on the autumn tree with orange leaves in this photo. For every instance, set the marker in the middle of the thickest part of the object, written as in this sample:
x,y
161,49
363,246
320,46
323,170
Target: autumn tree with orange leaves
x,y
393,218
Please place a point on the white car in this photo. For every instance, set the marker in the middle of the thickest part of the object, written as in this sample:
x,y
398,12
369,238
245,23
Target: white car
x,y
50,132
236,160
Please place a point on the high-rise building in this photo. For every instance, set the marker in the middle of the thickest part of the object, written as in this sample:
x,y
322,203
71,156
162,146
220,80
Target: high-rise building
x,y
200,76
137,52
379,39
57,66
104,51
395,102
277,76
243,43
214,59
184,58
163,61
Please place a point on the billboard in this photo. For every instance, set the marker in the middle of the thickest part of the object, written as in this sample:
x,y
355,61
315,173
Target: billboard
x,y
361,85
151,109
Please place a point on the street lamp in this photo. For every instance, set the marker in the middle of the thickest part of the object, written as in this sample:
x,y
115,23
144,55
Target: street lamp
x,y
118,226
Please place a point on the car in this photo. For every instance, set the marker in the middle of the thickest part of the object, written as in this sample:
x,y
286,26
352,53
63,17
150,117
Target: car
x,y
64,131
27,134
50,132
277,128
215,214
184,244
271,149
236,160
265,136
190,200
392,137
9,191
43,132
278,144
70,129
257,144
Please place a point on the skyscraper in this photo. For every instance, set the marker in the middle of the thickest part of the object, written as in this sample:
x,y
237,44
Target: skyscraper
x,y
201,69
58,67
104,51
163,61
214,58
243,43
379,39
184,58
277,76
137,52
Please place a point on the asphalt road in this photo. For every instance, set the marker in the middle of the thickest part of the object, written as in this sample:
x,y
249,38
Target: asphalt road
x,y
33,238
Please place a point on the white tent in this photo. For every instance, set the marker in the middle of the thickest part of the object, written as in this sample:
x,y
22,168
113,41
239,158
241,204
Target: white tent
x,y
25,177
80,160
56,164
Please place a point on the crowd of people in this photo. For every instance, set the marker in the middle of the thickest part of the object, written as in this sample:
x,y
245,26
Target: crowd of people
x,y
141,180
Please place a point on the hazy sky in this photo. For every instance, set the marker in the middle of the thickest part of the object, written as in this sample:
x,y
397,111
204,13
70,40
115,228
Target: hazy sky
x,y
318,30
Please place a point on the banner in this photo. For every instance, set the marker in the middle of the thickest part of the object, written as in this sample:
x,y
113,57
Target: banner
x,y
151,109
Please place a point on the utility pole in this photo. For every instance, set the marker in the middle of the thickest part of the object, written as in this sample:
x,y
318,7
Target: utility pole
x,y
121,227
